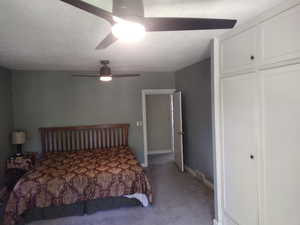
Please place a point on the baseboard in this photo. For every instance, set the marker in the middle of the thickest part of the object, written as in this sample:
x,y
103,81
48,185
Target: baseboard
x,y
201,176
157,152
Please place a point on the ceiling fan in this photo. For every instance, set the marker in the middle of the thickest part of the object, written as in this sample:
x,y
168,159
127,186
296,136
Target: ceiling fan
x,y
129,24
105,74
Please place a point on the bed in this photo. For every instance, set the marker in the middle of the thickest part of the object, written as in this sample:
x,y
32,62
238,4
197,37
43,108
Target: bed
x,y
79,165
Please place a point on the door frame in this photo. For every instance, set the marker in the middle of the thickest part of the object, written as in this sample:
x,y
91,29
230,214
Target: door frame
x,y
146,92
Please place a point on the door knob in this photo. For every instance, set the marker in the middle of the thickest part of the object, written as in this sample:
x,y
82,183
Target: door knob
x,y
252,57
251,156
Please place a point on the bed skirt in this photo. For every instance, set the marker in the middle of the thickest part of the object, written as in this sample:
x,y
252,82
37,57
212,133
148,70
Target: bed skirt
x,y
79,209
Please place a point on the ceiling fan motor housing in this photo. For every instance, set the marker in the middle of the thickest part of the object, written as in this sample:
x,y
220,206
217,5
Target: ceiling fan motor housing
x,y
105,69
128,9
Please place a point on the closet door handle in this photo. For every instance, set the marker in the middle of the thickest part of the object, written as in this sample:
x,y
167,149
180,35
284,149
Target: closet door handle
x,y
252,57
251,156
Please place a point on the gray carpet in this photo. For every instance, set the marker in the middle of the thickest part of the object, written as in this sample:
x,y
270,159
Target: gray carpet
x,y
179,199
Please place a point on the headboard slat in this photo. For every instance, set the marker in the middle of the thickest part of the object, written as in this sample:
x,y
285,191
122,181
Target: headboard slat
x,y
65,139
103,143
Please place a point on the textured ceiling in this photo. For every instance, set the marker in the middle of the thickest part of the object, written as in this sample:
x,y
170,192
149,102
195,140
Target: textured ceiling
x,y
51,35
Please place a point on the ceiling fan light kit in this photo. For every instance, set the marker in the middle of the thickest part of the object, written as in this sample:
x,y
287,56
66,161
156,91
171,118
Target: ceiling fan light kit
x,y
129,24
128,31
105,78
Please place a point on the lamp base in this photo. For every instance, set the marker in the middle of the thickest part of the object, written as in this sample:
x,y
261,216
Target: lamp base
x,y
19,150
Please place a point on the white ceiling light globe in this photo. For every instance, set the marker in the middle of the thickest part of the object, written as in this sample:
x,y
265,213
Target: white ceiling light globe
x,y
105,78
128,31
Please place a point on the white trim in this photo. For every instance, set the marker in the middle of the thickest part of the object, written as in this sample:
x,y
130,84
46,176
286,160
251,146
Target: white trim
x,y
200,176
157,152
216,121
158,91
261,151
145,129
215,222
146,92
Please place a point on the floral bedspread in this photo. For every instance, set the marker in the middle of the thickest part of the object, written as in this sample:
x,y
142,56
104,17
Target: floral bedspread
x,y
67,178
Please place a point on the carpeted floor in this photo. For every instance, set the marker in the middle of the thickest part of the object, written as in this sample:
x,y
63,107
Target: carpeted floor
x,y
179,199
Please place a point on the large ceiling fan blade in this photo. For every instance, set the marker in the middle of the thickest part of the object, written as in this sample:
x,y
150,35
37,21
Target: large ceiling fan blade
x,y
91,9
107,41
177,24
125,75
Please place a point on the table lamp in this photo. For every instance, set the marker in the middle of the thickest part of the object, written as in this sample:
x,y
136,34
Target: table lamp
x,y
19,138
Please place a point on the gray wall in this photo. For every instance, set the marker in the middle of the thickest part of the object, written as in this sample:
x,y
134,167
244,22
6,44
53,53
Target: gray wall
x,y
6,120
44,99
159,126
195,83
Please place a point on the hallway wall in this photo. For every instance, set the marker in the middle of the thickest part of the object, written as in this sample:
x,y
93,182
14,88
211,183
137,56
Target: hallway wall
x,y
195,83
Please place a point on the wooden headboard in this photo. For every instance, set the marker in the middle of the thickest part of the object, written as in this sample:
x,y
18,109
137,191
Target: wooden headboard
x,y
69,139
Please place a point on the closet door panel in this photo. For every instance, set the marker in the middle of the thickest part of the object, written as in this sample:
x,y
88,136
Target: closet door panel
x,y
238,53
280,37
240,116
281,122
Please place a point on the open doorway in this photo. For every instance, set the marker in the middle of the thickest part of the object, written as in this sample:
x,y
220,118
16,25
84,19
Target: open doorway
x,y
162,118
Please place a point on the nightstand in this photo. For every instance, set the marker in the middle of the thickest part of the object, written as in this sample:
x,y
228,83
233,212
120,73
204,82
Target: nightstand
x,y
16,167
25,162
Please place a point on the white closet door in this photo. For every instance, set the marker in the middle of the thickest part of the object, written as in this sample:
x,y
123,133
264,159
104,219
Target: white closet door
x,y
240,124
280,37
238,53
281,122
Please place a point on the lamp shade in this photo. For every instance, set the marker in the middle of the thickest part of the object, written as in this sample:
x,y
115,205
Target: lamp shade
x,y
18,137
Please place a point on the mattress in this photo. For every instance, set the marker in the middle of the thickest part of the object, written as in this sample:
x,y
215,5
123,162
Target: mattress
x,y
71,177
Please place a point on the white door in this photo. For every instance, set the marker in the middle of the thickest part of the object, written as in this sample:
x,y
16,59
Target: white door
x,y
240,127
178,131
281,122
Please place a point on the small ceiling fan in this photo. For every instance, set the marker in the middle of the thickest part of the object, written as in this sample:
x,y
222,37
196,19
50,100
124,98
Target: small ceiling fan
x,y
105,74
129,24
